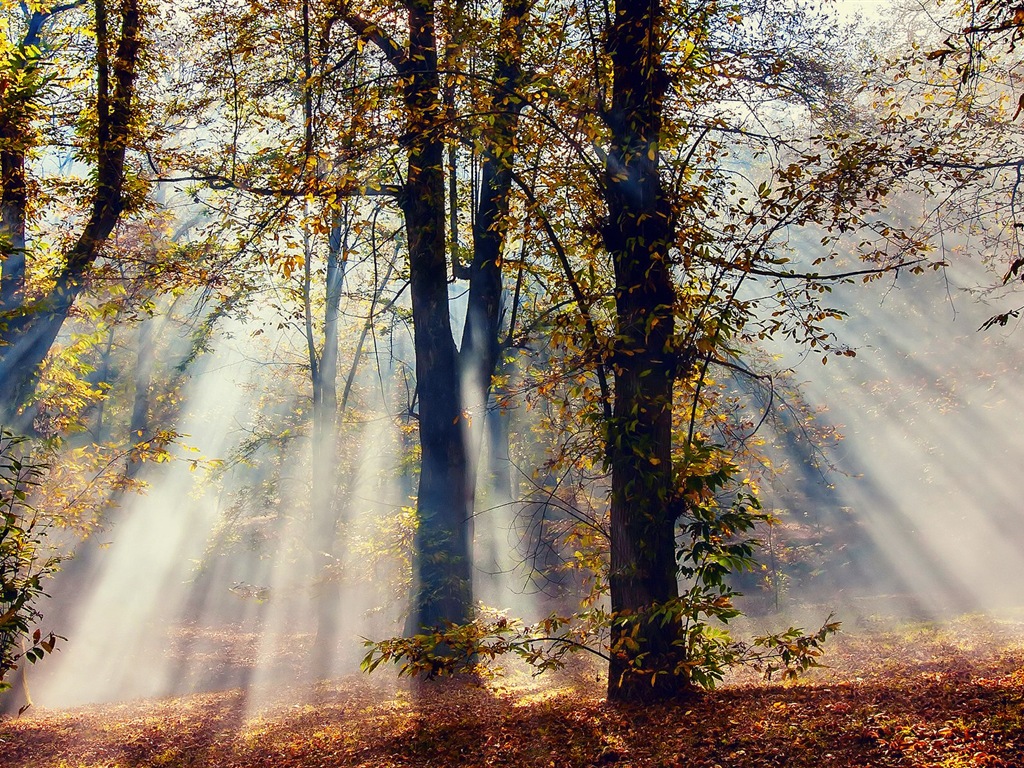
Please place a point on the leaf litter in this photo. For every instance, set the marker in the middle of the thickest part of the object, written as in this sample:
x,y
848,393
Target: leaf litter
x,y
916,695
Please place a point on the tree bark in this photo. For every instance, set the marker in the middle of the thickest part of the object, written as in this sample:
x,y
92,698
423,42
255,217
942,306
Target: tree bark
x,y
13,205
442,547
480,351
639,437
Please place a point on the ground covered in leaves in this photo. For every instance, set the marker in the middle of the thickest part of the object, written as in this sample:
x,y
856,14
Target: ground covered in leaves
x,y
920,695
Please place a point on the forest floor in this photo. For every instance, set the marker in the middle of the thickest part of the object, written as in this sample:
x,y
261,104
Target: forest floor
x,y
920,695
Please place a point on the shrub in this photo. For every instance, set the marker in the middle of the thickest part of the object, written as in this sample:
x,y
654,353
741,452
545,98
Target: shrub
x,y
24,562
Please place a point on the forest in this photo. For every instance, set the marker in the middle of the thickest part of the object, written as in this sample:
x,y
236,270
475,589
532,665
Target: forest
x,y
511,382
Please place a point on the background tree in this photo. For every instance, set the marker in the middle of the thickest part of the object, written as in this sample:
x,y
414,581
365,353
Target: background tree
x,y
944,108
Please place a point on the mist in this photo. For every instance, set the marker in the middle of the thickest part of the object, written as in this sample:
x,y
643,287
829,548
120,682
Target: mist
x,y
912,510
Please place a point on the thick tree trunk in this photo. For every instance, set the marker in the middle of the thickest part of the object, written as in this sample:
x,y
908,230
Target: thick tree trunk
x,y
639,439
442,548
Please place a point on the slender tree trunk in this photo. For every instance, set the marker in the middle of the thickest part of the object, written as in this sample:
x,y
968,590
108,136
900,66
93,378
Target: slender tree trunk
x,y
639,439
325,369
336,263
498,423
138,427
325,418
499,480
13,204
481,347
322,533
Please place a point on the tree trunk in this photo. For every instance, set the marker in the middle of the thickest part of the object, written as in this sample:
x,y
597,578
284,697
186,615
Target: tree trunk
x,y
481,347
102,382
639,438
15,140
480,339
499,480
138,427
13,203
442,547
322,497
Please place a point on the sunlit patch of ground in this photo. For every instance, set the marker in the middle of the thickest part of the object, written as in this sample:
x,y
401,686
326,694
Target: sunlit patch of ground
x,y
919,695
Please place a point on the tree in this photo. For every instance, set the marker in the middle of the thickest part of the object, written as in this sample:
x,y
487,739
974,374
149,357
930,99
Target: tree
x,y
650,655
443,545
638,235
977,27
33,321
480,350
945,109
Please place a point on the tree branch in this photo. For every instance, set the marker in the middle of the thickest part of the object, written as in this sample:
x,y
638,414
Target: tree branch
x,y
372,33
812,275
218,182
